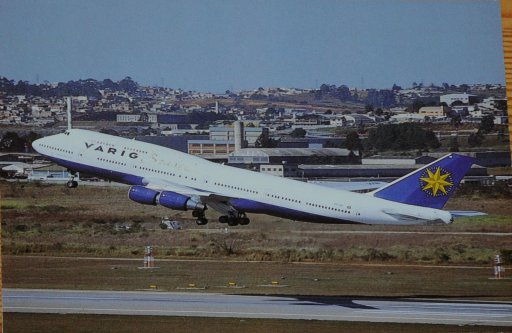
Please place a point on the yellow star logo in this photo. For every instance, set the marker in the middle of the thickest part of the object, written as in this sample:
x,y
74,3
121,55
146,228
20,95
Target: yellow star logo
x,y
436,183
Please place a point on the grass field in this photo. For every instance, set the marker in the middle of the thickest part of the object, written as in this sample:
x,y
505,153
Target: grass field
x,y
53,220
49,323
255,277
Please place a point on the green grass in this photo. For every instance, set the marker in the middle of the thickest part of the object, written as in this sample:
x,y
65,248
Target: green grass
x,y
484,221
11,204
54,220
385,280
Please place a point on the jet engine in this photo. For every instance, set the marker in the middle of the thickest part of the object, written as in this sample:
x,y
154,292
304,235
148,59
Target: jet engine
x,y
178,201
143,195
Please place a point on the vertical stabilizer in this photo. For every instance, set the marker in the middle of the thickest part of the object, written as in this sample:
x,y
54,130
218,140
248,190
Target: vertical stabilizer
x,y
430,186
68,100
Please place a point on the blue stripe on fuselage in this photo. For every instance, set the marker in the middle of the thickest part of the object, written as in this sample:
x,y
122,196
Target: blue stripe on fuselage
x,y
251,206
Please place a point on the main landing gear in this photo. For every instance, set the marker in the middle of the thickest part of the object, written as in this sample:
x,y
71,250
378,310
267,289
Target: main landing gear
x,y
234,220
201,219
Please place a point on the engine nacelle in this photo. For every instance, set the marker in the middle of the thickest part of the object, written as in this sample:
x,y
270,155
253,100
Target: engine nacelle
x,y
178,201
143,195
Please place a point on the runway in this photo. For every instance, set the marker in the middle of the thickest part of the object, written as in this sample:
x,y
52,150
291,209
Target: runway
x,y
279,307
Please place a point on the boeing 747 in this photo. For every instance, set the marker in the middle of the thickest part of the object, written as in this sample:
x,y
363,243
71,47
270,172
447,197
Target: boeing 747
x,y
179,181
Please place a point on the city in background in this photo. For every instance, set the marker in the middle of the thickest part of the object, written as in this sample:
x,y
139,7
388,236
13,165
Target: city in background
x,y
332,131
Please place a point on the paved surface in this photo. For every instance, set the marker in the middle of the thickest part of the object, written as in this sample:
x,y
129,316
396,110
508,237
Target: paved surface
x,y
285,307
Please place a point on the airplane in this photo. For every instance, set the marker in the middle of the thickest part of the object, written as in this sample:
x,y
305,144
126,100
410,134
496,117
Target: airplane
x,y
179,181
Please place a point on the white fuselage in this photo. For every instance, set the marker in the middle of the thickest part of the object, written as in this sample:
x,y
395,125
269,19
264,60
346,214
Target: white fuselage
x,y
129,161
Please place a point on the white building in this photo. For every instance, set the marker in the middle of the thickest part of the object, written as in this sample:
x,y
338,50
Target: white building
x,y
462,98
407,118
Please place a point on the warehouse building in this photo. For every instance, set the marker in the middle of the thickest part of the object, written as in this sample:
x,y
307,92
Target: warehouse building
x,y
251,156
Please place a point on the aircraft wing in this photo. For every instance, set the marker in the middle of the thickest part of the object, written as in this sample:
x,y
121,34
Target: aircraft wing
x,y
163,185
217,202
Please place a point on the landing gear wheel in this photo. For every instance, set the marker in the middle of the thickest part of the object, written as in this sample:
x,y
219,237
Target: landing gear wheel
x,y
233,221
223,219
202,221
72,184
244,221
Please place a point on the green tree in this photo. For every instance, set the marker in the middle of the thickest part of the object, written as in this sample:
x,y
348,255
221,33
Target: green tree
x,y
298,133
454,145
401,137
353,142
265,141
487,124
431,139
475,139
11,141
456,119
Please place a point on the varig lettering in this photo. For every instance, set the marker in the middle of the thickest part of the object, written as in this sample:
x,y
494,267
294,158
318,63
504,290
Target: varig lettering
x,y
110,150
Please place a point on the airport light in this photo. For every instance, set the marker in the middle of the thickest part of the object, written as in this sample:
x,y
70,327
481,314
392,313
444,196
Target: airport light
x,y
499,270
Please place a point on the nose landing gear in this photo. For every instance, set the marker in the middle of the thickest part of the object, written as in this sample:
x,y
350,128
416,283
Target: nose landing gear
x,y
72,183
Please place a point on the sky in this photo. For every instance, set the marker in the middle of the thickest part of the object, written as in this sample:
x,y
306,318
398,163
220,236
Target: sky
x,y
219,45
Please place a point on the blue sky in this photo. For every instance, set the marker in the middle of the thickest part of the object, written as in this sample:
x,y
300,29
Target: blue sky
x,y
215,45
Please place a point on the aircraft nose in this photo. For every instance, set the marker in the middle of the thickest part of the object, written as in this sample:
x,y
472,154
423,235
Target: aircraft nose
x,y
36,145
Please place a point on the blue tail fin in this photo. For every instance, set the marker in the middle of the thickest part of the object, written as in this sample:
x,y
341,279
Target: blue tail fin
x,y
430,186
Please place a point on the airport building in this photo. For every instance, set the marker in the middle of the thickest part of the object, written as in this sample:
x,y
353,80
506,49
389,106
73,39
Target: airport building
x,y
250,134
396,160
211,149
367,171
280,156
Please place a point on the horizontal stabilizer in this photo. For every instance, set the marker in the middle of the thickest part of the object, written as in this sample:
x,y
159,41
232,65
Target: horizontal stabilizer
x,y
462,213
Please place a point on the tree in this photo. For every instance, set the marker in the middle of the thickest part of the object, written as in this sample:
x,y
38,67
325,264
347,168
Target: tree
x,y
298,133
265,141
353,142
431,139
416,106
343,93
368,108
401,137
487,124
501,105
12,142
456,119
128,85
475,139
454,145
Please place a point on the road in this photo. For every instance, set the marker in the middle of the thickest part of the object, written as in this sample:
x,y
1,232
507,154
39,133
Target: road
x,y
281,307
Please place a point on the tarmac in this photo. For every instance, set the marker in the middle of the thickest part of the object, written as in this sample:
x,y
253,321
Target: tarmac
x,y
200,304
